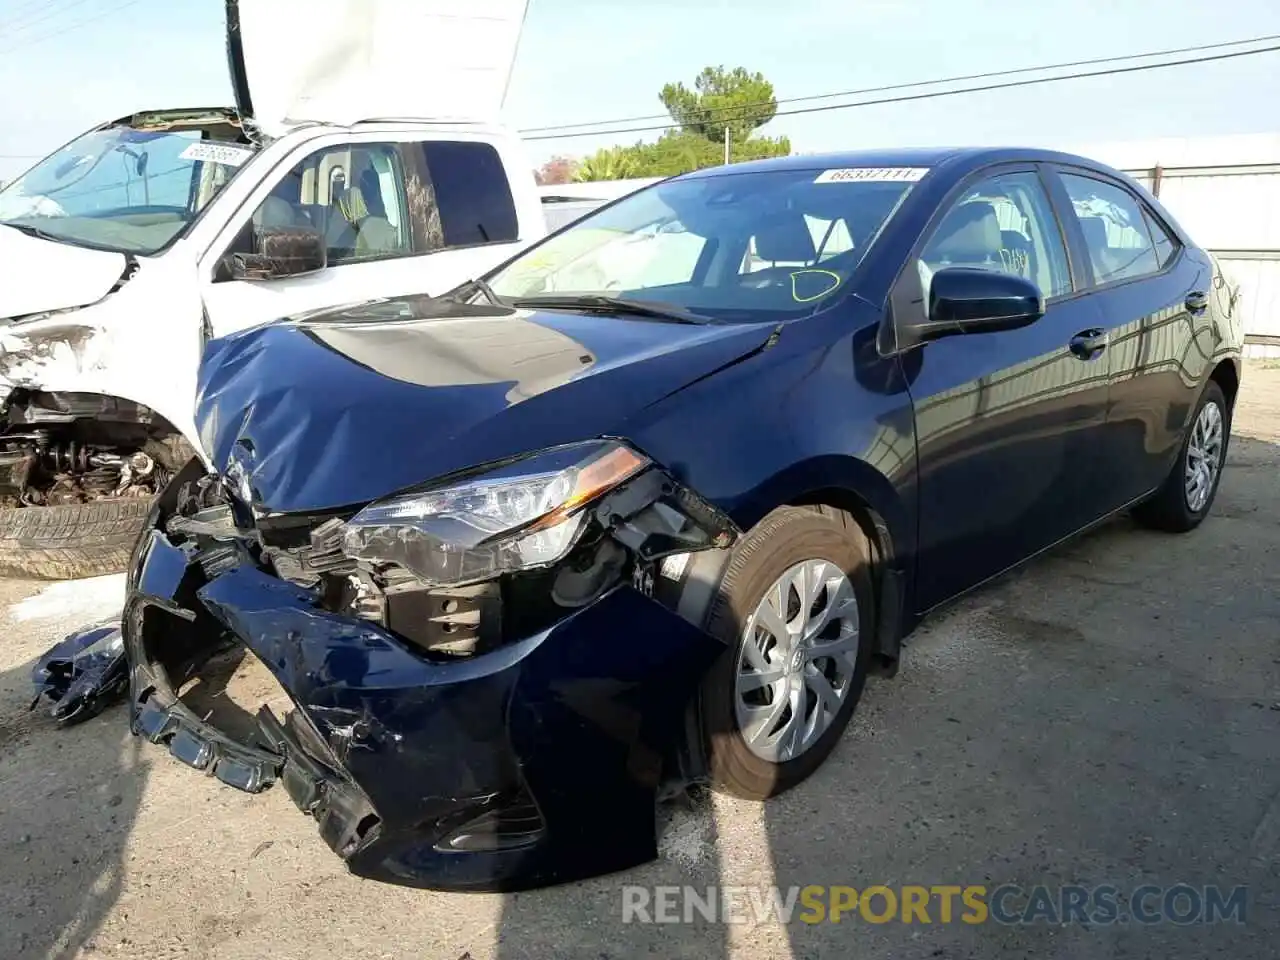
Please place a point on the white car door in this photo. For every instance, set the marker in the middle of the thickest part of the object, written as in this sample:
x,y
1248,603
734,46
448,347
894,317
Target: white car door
x,y
398,218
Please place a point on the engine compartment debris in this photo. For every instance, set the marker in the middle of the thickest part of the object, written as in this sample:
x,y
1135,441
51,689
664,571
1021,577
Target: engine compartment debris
x,y
65,448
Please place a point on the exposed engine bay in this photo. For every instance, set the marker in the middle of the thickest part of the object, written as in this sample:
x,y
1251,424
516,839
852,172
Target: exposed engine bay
x,y
68,448
628,533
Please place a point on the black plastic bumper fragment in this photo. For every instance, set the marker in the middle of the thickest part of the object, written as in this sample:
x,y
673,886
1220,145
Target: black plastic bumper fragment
x,y
533,764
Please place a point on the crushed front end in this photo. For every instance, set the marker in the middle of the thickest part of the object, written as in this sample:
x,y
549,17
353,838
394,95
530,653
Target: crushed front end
x,y
504,733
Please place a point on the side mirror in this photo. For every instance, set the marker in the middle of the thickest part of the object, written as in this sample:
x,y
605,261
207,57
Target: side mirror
x,y
281,252
973,300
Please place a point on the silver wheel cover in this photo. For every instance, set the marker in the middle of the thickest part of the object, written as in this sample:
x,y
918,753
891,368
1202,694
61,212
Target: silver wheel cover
x,y
798,654
1204,456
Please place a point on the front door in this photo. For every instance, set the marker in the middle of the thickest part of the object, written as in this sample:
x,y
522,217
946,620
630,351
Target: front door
x,y
399,219
1006,422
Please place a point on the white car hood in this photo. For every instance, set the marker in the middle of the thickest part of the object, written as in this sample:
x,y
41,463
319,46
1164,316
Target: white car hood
x,y
343,61
42,275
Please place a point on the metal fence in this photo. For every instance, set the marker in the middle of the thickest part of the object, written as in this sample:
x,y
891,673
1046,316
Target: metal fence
x,y
1234,211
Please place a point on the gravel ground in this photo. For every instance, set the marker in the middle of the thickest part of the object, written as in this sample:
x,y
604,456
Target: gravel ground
x,y
1109,714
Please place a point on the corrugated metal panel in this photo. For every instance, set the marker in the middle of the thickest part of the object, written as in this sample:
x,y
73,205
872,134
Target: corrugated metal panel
x,y
1233,212
1259,303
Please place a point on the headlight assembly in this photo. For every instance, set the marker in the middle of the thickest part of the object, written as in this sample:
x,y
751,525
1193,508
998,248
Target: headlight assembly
x,y
523,515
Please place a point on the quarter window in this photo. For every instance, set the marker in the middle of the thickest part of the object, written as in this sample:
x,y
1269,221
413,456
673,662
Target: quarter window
x,y
1165,245
1116,233
1002,223
472,192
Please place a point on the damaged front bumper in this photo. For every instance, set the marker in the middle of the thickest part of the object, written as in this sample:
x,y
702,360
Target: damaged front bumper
x,y
535,763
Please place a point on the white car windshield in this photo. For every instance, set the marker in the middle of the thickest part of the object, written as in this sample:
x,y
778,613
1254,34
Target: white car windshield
x,y
130,188
761,245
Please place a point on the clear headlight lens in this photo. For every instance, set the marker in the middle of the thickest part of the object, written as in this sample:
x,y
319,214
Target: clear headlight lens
x,y
524,515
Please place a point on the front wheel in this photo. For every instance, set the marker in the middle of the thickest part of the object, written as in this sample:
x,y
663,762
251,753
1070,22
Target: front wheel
x,y
1188,492
795,608
70,541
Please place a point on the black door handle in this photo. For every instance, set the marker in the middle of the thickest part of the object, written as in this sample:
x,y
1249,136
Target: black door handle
x,y
1197,301
1087,344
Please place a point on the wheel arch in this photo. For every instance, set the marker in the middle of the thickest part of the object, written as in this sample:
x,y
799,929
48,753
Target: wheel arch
x,y
859,491
1227,376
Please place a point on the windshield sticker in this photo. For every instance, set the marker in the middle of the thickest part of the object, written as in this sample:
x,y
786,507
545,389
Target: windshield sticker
x,y
872,175
227,154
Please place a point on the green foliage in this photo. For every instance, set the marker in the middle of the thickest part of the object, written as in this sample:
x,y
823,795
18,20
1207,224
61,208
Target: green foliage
x,y
721,98
674,152
610,163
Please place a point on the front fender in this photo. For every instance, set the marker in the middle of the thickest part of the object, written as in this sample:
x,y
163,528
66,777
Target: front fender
x,y
141,343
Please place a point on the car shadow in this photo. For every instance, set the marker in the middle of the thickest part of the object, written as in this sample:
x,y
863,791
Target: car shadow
x,y
1066,725
69,799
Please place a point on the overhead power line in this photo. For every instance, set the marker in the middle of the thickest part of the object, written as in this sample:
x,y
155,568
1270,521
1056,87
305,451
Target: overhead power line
x,y
23,43
744,111
44,13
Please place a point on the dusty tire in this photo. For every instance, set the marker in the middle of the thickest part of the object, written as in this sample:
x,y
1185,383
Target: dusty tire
x,y
71,541
787,537
1168,509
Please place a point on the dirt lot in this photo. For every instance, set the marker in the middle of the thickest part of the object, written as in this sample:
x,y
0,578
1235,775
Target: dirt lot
x,y
1110,714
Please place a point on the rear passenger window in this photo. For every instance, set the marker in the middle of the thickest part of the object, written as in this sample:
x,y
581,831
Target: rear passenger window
x,y
472,193
1115,229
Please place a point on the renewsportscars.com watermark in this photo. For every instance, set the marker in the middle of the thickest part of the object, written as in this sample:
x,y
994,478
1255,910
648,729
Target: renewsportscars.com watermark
x,y
1181,904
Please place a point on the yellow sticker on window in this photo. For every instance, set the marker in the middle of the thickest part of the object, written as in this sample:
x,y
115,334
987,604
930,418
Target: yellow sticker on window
x,y
807,285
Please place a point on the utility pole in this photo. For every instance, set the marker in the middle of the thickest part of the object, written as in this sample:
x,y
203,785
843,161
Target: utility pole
x,y
726,146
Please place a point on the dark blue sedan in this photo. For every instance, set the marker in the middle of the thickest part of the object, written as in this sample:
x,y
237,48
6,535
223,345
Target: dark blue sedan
x,y
644,507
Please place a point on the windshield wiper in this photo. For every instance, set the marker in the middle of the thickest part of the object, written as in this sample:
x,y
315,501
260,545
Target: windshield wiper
x,y
487,290
464,293
595,303
31,231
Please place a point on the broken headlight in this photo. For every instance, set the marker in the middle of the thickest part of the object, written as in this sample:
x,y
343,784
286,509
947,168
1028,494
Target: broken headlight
x,y
520,516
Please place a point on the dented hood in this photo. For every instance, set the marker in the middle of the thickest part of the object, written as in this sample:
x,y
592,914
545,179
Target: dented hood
x,y
350,406
42,275
343,61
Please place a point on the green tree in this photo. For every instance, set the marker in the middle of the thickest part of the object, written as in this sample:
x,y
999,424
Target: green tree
x,y
610,163
721,98
698,141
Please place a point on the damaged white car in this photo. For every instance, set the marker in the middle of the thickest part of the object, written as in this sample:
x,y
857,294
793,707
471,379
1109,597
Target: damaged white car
x,y
135,243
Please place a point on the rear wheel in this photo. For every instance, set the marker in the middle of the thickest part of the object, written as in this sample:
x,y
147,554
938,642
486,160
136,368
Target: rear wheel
x,y
795,608
70,541
1183,501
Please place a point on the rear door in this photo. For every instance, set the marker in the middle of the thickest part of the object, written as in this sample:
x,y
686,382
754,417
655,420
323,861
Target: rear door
x,y
1007,423
1153,293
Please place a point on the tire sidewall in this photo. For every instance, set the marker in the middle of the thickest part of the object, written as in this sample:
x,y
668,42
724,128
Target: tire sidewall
x,y
1212,393
780,541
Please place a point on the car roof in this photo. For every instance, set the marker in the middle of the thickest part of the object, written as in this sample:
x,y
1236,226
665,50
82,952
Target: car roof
x,y
967,157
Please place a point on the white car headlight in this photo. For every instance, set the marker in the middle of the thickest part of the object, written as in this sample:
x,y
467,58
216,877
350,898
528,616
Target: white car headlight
x,y
523,515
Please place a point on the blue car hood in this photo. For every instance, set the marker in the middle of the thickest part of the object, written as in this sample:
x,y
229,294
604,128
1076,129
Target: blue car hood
x,y
340,408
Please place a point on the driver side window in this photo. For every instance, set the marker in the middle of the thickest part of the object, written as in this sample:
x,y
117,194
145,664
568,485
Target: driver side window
x,y
353,195
1003,223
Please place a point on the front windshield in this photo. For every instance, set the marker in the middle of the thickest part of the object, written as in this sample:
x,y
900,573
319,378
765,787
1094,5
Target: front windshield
x,y
125,188
767,245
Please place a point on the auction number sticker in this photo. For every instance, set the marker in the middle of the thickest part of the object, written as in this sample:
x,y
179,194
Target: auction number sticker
x,y
227,154
872,175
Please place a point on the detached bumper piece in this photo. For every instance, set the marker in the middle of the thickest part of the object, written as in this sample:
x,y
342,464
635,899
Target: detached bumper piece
x,y
533,764
83,674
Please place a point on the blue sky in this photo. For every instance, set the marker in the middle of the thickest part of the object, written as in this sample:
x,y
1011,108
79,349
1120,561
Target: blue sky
x,y
68,64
